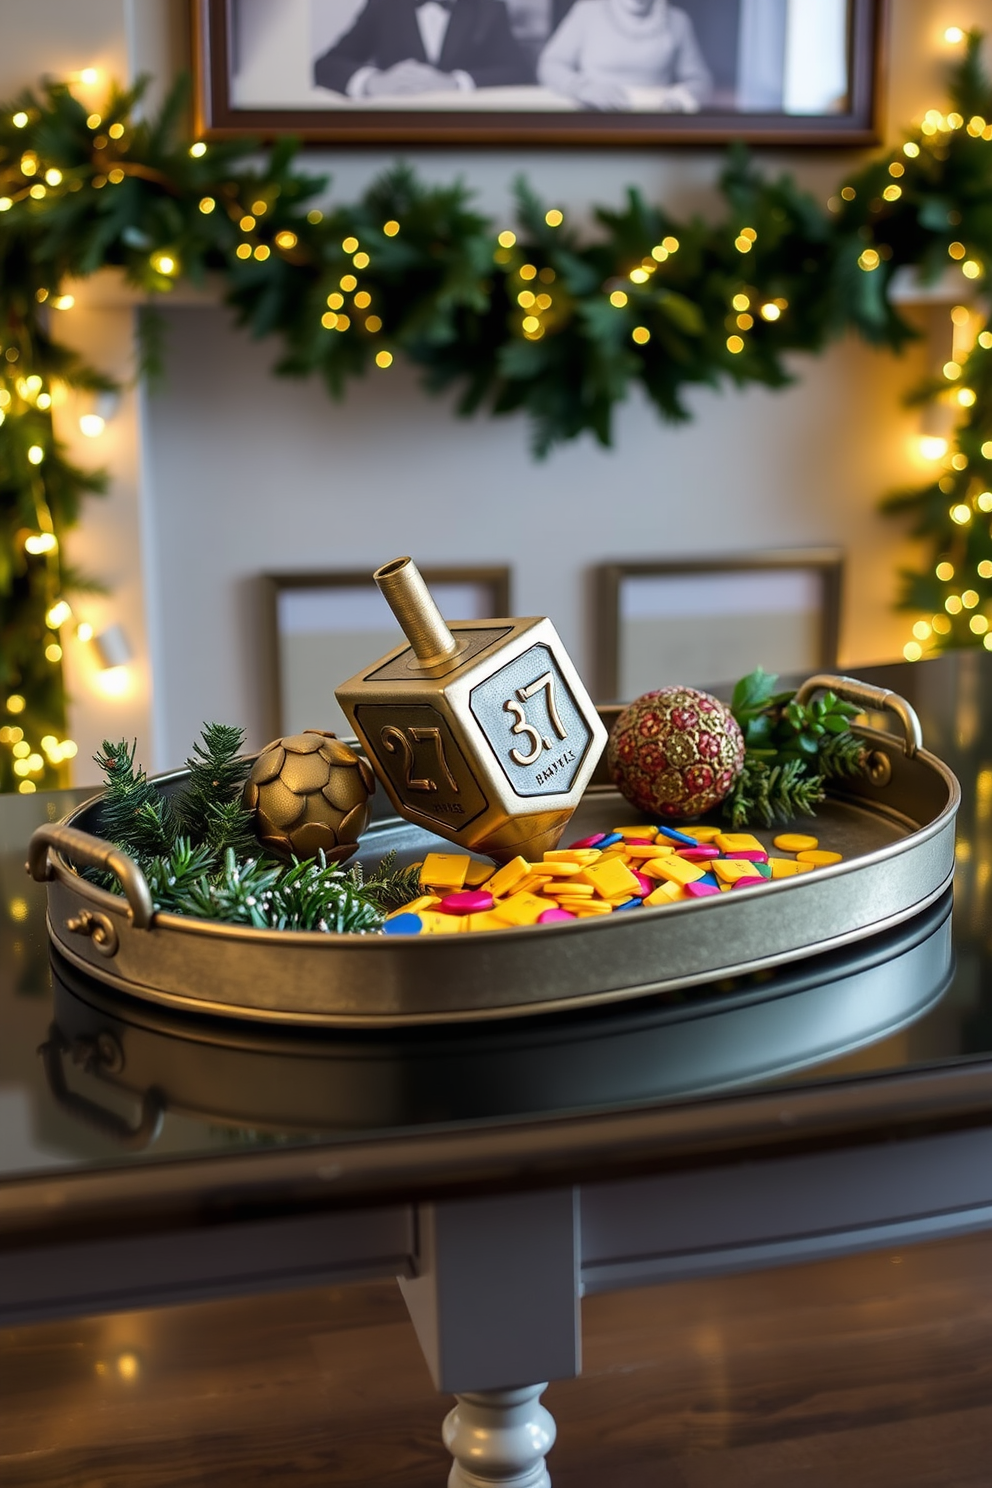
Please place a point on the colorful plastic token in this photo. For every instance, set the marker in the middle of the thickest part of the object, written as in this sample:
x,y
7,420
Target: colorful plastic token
x,y
698,854
796,842
631,903
553,916
675,836
593,841
747,883
469,901
701,890
404,924
819,857
751,855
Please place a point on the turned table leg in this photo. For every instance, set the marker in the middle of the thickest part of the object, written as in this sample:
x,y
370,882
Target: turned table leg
x,y
499,1437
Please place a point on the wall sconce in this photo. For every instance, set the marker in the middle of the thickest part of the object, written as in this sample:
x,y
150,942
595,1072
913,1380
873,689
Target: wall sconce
x,y
104,407
113,652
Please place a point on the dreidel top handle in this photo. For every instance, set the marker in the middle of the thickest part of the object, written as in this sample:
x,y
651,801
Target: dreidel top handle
x,y
405,591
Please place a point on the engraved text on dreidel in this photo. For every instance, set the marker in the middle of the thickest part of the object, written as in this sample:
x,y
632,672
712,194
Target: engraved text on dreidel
x,y
533,724
417,751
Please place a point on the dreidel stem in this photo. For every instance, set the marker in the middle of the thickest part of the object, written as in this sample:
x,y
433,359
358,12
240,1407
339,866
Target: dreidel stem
x,y
406,592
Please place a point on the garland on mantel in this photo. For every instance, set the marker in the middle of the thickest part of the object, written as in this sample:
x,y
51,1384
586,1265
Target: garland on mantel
x,y
531,317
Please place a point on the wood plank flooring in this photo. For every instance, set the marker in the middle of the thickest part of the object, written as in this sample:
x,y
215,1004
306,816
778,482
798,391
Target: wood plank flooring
x,y
866,1373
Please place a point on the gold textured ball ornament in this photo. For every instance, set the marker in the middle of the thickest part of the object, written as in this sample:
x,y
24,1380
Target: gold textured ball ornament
x,y
309,792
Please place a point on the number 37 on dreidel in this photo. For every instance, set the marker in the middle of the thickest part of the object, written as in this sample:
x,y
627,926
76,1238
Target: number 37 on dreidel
x,y
480,731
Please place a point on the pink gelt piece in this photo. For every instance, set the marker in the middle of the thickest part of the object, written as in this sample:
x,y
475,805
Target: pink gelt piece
x,y
751,855
552,916
470,901
592,841
647,885
749,883
703,890
640,841
697,854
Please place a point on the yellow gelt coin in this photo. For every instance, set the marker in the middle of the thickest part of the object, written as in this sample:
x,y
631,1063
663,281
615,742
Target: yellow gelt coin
x,y
796,842
819,859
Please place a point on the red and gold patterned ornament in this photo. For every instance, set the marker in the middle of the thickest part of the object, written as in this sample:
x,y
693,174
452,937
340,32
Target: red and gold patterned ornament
x,y
676,752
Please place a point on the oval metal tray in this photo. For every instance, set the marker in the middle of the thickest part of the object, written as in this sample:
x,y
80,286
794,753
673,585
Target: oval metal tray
x,y
894,829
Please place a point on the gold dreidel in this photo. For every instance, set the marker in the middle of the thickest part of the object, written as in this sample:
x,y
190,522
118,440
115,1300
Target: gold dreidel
x,y
480,731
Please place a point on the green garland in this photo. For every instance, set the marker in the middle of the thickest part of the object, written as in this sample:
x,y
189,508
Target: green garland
x,y
530,318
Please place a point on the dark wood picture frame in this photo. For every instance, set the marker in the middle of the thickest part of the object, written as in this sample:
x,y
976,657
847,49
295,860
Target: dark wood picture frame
x,y
496,576
216,117
827,563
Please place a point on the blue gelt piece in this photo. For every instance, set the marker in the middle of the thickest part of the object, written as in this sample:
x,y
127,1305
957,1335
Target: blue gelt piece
x,y
675,836
634,903
609,841
404,924
709,878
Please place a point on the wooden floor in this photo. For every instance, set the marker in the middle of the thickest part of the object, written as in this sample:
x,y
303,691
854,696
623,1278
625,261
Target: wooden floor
x,y
853,1374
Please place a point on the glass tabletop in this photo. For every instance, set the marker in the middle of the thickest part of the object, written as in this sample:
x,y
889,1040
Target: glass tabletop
x,y
92,1080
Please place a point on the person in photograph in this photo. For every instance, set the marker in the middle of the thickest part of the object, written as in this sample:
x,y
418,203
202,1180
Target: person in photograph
x,y
402,47
604,49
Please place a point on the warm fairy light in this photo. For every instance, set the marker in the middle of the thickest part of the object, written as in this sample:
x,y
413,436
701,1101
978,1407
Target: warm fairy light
x,y
15,703
618,298
361,260
89,76
116,131
912,650
53,176
966,397
350,245
639,276
21,750
869,260
526,298
985,340
329,320
987,642
954,120
36,454
972,269
671,245
944,571
544,302
259,208
315,216
20,120
29,163
892,193
62,302
335,301
954,35
343,323
848,193
506,239
961,514
27,788
262,251
94,121
286,239
391,228
952,604
659,253
921,630
31,385
984,501
952,371
164,263
979,624
43,401
373,324
959,461
384,358
243,250
956,250
363,300
247,222
641,335
960,315
53,653
528,271
897,168
198,149
969,599
735,344
770,311
207,205
84,631
742,244
348,282
976,125
741,302
554,218
41,542
531,324
745,321
58,614
5,203
92,425
37,192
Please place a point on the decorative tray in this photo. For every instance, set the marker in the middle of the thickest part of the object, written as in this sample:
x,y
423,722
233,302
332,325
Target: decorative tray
x,y
893,826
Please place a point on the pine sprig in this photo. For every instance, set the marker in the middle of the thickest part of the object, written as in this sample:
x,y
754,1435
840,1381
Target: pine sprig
x,y
134,815
765,794
389,887
311,895
217,774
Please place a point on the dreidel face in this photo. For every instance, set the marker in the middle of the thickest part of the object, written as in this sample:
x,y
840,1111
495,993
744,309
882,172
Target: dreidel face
x,y
492,748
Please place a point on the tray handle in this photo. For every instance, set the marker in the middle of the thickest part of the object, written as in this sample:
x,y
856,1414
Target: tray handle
x,y
94,853
97,1057
867,696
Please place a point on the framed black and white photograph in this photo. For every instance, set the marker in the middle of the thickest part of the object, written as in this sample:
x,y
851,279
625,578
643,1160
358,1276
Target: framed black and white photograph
x,y
538,71
707,621
322,628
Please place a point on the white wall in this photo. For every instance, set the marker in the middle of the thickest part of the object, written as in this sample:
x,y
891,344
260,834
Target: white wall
x,y
242,473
